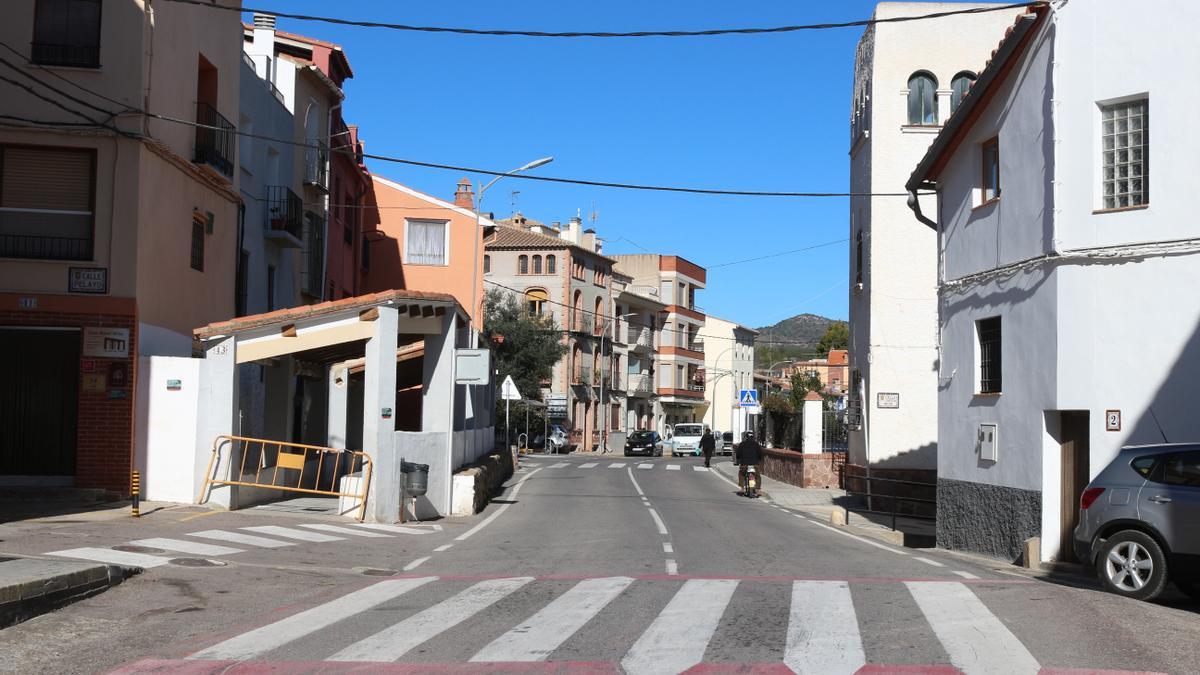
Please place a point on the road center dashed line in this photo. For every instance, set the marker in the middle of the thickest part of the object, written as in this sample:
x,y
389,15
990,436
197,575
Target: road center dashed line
x,y
662,527
416,563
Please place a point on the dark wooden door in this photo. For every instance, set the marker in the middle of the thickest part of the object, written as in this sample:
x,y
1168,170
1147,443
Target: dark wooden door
x,y
1075,476
39,402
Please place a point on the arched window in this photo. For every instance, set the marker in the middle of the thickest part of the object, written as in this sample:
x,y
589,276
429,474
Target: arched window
x,y
535,300
960,85
595,365
537,264
577,311
487,264
922,99
523,264
550,264
598,317
576,363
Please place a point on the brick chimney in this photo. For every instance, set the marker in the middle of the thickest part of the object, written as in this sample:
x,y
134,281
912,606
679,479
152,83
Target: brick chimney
x,y
464,196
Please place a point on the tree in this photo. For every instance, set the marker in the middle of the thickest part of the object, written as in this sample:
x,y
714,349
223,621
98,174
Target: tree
x,y
527,346
779,411
837,336
802,383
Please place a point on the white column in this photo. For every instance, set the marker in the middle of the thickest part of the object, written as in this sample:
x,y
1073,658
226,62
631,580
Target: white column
x,y
218,400
339,389
812,425
943,104
379,425
437,410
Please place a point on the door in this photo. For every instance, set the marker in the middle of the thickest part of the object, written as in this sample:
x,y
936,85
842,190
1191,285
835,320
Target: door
x,y
1177,498
1075,475
39,402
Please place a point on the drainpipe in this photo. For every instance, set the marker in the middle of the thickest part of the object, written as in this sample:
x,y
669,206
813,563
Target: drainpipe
x,y
328,211
914,203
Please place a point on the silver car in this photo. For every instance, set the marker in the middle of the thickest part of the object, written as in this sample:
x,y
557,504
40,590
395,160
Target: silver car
x,y
1138,521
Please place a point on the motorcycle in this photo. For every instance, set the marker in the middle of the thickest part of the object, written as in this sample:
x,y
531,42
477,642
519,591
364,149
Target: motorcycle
x,y
750,481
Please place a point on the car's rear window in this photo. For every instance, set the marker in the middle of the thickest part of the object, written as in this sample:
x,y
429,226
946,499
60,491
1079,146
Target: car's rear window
x,y
689,430
641,435
727,436
1143,465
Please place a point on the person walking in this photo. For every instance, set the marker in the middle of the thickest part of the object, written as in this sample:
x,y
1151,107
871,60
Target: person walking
x,y
707,445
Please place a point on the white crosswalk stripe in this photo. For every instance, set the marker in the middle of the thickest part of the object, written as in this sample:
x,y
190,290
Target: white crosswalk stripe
x,y
560,465
240,538
822,632
645,466
542,633
184,546
588,465
272,636
338,529
678,637
700,468
292,533
395,641
111,557
975,639
617,465
672,467
398,529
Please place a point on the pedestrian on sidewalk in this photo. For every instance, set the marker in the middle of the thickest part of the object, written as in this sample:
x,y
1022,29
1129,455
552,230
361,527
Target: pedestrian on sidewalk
x,y
707,445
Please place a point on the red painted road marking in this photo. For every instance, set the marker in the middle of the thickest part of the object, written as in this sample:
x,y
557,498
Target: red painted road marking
x,y
752,579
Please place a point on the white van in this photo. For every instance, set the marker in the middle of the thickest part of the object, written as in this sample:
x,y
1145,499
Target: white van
x,y
685,439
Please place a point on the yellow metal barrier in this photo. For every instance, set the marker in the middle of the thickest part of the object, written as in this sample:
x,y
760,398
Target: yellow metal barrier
x,y
289,456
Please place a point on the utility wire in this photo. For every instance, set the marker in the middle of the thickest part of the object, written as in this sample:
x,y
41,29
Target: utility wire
x,y
599,34
776,255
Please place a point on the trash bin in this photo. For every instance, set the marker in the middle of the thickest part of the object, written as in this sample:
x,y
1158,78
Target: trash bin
x,y
416,478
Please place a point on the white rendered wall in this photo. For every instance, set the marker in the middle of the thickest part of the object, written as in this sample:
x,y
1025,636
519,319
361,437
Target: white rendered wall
x,y
166,428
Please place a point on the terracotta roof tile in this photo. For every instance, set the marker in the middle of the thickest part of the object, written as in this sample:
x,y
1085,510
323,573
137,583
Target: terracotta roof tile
x,y
321,308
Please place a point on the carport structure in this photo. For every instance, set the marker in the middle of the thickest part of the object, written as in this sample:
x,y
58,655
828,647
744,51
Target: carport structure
x,y
381,343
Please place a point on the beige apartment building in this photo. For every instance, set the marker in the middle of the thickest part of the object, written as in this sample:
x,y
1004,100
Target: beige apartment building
x,y
117,230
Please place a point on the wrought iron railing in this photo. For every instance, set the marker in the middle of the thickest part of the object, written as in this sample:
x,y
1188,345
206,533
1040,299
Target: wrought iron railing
x,y
285,211
642,383
214,139
316,165
45,248
583,323
76,56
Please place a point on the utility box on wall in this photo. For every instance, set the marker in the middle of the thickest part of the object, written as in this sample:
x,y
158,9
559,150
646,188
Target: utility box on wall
x,y
989,442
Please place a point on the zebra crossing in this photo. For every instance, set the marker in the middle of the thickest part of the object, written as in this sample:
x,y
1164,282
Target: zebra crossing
x,y
823,632
619,464
156,551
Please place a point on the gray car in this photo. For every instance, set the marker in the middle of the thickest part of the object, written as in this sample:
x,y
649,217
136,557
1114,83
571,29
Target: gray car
x,y
1139,521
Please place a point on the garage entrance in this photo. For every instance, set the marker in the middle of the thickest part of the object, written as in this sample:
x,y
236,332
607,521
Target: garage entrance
x,y
39,406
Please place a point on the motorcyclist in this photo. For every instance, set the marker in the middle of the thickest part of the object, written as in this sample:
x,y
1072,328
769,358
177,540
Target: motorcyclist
x,y
748,453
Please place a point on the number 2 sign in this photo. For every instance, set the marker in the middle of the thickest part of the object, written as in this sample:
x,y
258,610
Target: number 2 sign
x,y
1112,420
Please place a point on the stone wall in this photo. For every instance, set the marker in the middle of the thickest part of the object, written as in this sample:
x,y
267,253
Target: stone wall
x,y
475,484
806,470
990,519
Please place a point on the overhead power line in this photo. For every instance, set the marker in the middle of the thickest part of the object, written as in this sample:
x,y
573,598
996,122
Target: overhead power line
x,y
776,255
605,34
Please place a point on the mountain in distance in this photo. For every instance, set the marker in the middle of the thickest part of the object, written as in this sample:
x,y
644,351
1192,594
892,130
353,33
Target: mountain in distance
x,y
800,333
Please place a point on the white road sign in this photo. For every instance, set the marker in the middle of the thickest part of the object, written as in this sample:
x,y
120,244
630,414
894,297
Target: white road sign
x,y
748,398
508,391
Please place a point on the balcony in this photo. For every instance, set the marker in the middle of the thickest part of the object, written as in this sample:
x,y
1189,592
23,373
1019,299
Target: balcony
x,y
214,139
641,383
583,323
45,248
74,56
316,165
284,219
639,337
697,345
582,375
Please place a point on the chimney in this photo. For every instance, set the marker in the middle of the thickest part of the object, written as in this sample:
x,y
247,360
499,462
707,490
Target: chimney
x,y
536,229
574,233
464,196
589,239
262,51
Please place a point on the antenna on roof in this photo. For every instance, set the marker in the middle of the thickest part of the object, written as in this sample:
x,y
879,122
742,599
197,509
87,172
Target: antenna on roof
x,y
593,215
1160,429
512,199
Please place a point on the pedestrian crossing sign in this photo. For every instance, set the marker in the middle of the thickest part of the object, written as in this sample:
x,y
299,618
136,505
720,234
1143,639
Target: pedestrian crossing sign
x,y
748,398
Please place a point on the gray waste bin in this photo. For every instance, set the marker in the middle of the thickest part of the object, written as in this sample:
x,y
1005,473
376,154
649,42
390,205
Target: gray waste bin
x,y
416,478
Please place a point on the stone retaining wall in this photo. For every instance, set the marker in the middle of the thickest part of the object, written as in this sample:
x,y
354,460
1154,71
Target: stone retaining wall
x,y
474,485
806,470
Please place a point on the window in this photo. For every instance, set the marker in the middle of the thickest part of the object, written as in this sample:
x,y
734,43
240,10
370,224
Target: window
x,y
1125,131
487,264
1182,469
922,99
536,299
858,258
988,331
550,264
959,87
198,221
523,264
425,242
46,196
990,186
67,33
537,264
270,288
1143,465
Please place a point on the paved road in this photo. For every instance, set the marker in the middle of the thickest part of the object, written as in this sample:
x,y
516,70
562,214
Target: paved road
x,y
596,565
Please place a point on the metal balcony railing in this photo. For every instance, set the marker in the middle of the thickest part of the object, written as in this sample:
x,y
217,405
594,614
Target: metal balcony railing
x,y
284,212
214,139
75,56
697,344
642,383
583,323
316,165
45,248
583,375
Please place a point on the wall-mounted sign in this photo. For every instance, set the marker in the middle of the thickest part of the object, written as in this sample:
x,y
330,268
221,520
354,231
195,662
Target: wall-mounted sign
x,y
27,303
117,393
93,382
87,366
386,413
556,406
472,366
174,385
87,279
112,343
118,374
1112,420
887,399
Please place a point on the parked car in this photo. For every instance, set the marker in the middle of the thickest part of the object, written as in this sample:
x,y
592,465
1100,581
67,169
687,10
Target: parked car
x,y
685,439
726,446
647,443
560,440
1137,521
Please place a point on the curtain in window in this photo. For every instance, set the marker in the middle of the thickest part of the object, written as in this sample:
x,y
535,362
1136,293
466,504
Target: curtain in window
x,y
426,243
922,99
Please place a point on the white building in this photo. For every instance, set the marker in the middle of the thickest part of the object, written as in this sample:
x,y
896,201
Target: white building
x,y
909,77
1068,248
728,369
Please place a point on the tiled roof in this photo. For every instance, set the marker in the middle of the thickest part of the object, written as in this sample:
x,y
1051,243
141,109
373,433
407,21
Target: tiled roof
x,y
321,308
516,238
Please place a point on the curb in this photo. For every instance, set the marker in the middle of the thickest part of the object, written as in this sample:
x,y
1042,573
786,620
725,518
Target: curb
x,y
33,586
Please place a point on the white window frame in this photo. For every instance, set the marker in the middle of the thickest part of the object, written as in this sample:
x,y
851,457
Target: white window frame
x,y
408,222
1098,148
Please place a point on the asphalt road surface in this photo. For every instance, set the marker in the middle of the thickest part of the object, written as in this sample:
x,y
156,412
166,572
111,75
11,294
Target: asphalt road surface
x,y
584,564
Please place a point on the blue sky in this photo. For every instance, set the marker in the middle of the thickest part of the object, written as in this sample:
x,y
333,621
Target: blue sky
x,y
741,112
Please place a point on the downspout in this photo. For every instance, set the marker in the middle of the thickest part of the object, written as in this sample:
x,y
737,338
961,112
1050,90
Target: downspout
x,y
328,211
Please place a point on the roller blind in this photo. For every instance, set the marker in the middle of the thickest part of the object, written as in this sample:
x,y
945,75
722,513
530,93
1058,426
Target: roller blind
x,y
46,178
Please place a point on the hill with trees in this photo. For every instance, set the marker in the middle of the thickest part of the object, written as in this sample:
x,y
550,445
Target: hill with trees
x,y
803,336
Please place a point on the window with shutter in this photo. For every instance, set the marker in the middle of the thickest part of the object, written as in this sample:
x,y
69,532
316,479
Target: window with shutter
x,y
46,196
67,33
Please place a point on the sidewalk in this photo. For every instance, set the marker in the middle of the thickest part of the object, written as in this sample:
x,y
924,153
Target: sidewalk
x,y
823,502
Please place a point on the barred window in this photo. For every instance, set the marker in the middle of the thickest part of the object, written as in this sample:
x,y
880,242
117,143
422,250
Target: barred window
x,y
198,222
1125,138
988,331
67,33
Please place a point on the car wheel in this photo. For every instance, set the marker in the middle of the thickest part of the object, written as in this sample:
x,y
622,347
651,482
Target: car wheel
x,y
1132,564
1190,587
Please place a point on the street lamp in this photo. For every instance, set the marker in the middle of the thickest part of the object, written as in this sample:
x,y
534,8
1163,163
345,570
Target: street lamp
x,y
604,416
713,406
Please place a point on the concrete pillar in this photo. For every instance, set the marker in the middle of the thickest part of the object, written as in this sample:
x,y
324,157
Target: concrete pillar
x,y
437,409
339,390
813,419
379,411
280,390
218,401
943,104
